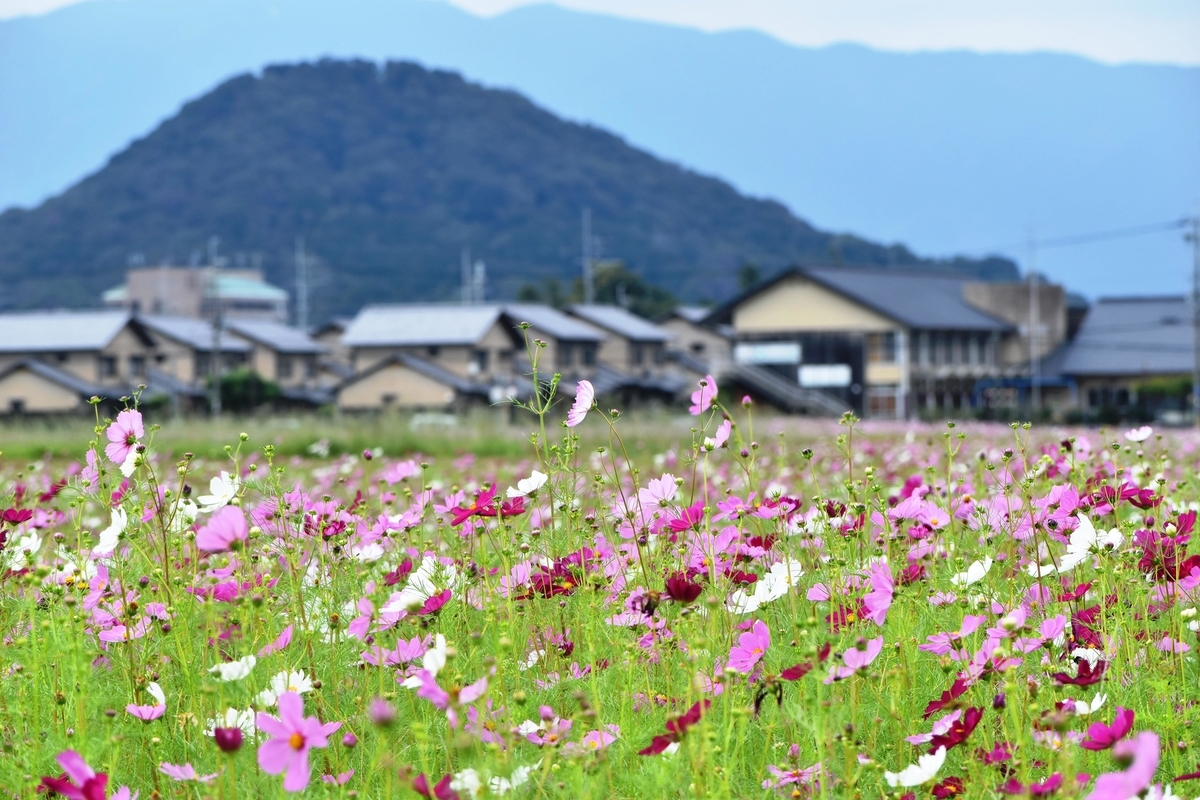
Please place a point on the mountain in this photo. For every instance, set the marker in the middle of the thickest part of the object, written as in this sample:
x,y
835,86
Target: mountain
x,y
949,152
387,172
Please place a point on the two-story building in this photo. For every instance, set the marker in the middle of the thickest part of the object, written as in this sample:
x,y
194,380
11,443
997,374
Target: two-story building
x,y
889,343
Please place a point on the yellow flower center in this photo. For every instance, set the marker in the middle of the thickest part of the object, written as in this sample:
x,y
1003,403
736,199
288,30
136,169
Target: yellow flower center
x,y
296,741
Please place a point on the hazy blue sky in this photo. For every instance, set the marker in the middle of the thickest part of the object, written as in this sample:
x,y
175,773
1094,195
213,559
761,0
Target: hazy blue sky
x,y
1108,30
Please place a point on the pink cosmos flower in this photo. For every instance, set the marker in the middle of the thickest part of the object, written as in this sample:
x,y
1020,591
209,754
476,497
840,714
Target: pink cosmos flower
x,y
185,772
1136,779
879,599
721,437
283,641
80,781
594,740
123,435
226,526
1102,737
292,736
150,712
856,659
585,396
750,649
702,398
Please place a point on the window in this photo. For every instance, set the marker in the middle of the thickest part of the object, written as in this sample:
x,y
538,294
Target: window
x,y
589,355
283,367
565,355
767,353
16,406
310,367
388,399
639,354
481,360
61,357
107,366
697,348
825,375
923,354
660,354
973,355
956,349
881,401
881,348
433,350
137,366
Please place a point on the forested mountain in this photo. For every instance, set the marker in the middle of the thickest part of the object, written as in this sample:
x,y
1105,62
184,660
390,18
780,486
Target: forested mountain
x,y
388,173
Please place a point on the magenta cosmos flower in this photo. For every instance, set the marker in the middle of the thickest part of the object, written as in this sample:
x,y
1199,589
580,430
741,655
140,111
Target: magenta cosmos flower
x,y
702,398
292,736
585,396
81,782
1102,737
750,648
123,435
226,526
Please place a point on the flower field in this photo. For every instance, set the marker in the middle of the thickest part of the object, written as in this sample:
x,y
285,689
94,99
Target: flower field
x,y
755,610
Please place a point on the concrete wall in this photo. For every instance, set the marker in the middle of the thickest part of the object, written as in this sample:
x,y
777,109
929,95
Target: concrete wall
x,y
1011,303
394,386
36,395
799,304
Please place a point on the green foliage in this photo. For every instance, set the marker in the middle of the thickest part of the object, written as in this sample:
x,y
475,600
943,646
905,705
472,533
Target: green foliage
x,y
244,390
388,173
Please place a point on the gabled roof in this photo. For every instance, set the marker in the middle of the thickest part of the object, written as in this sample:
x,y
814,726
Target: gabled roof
x,y
277,336
691,313
418,325
1133,336
63,378
918,299
195,333
552,322
620,321
423,367
59,331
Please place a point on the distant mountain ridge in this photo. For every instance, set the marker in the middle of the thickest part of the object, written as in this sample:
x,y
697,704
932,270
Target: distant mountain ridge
x,y
387,172
948,152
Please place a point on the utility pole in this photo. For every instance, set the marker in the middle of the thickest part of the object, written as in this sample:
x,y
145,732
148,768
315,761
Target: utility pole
x,y
589,278
1035,369
301,285
214,391
1194,237
467,282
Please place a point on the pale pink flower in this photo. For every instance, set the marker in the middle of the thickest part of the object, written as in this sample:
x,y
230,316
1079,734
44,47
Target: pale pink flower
x,y
224,528
1136,779
585,396
879,599
185,772
855,660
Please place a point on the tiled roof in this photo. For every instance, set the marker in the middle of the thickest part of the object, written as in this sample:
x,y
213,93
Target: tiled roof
x,y
195,333
277,336
552,322
420,325
59,331
1133,336
621,322
61,377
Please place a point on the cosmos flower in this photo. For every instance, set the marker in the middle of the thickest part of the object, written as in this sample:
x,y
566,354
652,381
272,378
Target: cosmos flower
x,y
292,737
123,436
1102,737
925,770
527,486
750,648
225,529
221,492
585,398
81,782
185,773
702,398
147,713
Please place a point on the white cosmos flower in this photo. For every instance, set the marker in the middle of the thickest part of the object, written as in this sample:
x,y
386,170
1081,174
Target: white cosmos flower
x,y
421,586
519,777
107,542
1083,708
468,782
435,657
1139,434
283,682
527,486
773,585
185,515
233,718
222,489
974,573
367,553
923,771
130,463
155,691
1084,540
234,670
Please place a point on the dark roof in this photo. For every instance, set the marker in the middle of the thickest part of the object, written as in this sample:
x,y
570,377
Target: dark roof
x,y
411,325
62,378
277,336
160,383
1133,336
919,299
195,333
551,321
620,321
420,365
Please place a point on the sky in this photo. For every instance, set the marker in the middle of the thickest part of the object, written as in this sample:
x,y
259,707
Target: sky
x,y
1112,31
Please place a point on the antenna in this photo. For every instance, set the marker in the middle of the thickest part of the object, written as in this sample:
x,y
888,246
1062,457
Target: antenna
x,y
465,265
301,285
479,281
214,242
589,278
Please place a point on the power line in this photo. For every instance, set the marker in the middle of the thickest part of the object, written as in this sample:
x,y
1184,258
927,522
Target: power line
x,y
1095,236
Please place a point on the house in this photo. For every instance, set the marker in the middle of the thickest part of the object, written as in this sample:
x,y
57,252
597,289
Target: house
x,y
690,337
888,343
1133,352
631,344
29,386
106,353
280,353
572,347
199,292
185,347
405,382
